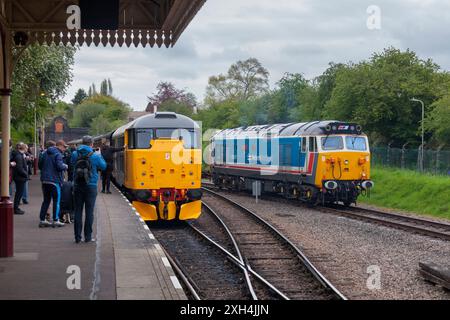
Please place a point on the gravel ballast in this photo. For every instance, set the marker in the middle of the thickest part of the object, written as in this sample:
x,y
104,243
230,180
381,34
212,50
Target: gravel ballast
x,y
348,251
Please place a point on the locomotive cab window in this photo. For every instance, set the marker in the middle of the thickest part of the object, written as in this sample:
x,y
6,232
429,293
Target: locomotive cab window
x,y
140,138
190,137
356,143
332,143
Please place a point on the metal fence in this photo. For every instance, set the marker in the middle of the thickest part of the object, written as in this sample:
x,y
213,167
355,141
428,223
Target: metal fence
x,y
435,161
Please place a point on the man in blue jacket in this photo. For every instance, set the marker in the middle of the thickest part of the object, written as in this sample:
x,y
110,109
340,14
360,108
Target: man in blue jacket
x,y
52,169
86,164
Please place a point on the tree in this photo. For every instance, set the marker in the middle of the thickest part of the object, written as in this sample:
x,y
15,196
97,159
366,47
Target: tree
x,y
167,92
437,122
110,88
80,95
286,100
245,80
377,93
41,76
104,88
95,111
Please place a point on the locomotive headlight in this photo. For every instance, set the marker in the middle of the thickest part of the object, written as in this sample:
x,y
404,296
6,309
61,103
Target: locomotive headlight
x,y
331,185
346,162
367,184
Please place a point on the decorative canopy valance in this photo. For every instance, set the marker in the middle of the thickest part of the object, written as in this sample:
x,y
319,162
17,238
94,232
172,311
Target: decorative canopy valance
x,y
139,22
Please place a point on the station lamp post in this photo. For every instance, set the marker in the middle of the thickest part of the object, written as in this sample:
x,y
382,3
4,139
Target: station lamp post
x,y
423,131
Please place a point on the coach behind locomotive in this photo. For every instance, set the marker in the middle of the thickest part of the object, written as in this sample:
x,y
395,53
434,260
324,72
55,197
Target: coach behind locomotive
x,y
320,161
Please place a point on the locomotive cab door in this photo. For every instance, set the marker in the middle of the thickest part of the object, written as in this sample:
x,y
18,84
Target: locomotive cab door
x,y
303,153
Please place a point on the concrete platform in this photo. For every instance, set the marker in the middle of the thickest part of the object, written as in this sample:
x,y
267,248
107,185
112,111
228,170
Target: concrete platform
x,y
126,261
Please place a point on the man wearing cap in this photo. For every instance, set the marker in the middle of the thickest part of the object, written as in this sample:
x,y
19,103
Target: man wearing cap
x,y
52,169
86,164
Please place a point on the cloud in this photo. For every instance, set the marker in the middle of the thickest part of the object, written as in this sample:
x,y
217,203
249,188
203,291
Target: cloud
x,y
285,35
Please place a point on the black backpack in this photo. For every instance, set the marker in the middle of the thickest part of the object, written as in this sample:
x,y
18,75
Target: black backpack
x,y
83,169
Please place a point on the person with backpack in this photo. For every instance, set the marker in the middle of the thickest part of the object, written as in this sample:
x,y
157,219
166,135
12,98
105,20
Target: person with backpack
x,y
52,169
86,164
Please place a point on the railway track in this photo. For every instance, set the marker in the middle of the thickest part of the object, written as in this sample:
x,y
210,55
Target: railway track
x,y
205,271
272,261
426,227
430,228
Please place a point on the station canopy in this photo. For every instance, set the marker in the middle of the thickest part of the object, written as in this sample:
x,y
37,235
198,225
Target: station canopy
x,y
114,22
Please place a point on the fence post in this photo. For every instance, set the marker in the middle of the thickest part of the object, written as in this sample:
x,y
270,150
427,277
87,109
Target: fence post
x,y
388,158
420,160
403,155
438,152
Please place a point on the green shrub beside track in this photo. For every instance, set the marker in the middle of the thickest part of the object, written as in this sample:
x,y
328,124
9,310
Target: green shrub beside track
x,y
410,191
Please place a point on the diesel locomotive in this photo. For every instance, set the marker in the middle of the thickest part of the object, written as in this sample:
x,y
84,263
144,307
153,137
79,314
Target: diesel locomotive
x,y
314,162
159,168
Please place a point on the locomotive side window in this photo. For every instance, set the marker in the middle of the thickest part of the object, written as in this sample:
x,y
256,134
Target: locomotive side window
x,y
312,144
142,138
304,144
356,143
332,143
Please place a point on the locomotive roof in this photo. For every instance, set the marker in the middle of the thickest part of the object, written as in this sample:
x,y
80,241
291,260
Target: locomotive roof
x,y
284,130
159,120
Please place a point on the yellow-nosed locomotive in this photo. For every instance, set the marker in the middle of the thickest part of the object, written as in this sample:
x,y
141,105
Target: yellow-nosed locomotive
x,y
159,168
319,161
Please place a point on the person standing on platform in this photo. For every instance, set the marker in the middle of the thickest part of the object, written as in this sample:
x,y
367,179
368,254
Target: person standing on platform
x,y
52,169
86,164
107,153
30,160
20,174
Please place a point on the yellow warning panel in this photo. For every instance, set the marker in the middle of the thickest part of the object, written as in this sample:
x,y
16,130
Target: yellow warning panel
x,y
147,211
191,210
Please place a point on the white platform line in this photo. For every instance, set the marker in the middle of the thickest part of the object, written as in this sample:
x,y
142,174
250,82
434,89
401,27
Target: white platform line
x,y
157,246
165,262
146,227
175,282
151,236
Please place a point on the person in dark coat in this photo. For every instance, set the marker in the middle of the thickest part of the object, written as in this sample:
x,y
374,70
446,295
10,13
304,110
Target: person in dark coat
x,y
20,174
52,169
108,155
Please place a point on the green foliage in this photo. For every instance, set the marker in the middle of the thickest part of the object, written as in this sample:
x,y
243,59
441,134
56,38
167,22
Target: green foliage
x,y
374,93
85,113
100,114
41,76
245,80
377,93
438,121
177,107
411,191
80,95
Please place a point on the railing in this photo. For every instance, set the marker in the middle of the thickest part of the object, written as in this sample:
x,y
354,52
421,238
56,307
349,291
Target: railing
x,y
434,161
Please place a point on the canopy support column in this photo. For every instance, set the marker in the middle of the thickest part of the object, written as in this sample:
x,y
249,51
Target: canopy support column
x,y
6,206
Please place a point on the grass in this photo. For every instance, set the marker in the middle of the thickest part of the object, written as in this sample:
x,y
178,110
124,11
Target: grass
x,y
410,191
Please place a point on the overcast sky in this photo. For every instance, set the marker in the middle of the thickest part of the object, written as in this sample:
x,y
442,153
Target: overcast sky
x,y
285,35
